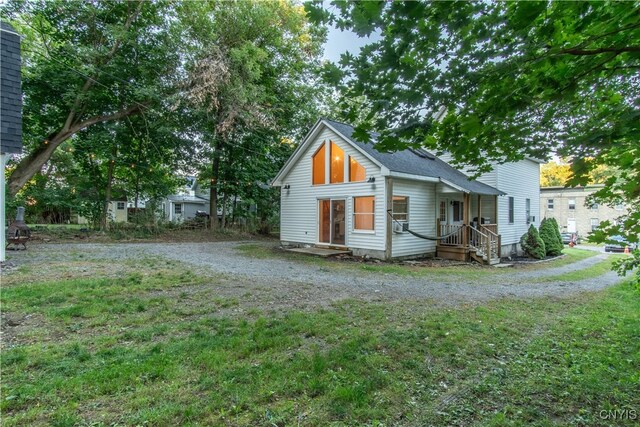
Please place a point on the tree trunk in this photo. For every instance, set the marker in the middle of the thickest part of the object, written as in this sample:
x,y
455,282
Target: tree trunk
x,y
224,210
33,163
104,222
235,206
213,191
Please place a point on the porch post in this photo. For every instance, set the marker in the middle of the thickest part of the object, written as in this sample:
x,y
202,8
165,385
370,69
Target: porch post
x,y
388,194
465,219
495,210
479,211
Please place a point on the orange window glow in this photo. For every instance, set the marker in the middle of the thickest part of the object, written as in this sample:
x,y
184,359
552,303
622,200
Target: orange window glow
x,y
357,172
337,164
318,166
364,213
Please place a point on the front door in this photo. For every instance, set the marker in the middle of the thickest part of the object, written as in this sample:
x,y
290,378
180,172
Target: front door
x,y
332,229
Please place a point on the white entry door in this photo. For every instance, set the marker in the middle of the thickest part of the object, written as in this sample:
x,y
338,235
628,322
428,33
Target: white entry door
x,y
571,225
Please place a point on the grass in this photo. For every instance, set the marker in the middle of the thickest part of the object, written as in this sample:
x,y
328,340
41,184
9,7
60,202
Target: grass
x,y
594,270
155,346
261,251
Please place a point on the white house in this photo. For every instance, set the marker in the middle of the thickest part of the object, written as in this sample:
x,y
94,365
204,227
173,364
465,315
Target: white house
x,y
339,192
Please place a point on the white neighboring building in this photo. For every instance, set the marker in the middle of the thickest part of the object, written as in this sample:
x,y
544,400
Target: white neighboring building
x,y
338,192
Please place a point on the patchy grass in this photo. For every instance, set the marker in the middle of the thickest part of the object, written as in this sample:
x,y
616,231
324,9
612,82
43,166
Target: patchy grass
x,y
261,251
154,347
594,270
571,255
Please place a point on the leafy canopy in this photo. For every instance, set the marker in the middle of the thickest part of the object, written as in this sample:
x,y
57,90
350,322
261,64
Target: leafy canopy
x,y
499,81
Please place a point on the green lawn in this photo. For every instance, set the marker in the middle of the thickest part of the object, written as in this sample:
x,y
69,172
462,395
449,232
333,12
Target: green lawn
x,y
261,251
157,346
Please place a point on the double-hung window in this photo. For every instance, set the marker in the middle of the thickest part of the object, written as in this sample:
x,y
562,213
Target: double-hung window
x,y
364,209
400,208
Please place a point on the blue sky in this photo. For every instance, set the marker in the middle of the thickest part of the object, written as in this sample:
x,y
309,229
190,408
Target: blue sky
x,y
339,42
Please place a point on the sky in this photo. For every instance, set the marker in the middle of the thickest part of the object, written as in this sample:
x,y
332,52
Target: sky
x,y
339,42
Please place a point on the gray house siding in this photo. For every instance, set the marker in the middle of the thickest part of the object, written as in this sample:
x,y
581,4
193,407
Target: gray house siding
x,y
10,90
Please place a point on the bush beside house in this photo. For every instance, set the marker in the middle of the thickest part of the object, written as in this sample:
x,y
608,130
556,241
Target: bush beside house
x,y
532,244
550,235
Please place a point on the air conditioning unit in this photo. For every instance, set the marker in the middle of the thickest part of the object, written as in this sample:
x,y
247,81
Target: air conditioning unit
x,y
400,227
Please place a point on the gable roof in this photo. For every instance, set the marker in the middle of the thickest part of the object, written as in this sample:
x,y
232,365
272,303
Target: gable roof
x,y
416,163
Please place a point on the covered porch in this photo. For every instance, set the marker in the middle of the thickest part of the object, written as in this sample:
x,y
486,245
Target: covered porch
x,y
467,226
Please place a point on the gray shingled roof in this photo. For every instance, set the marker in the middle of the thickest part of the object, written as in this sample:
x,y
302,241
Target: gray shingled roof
x,y
187,199
414,162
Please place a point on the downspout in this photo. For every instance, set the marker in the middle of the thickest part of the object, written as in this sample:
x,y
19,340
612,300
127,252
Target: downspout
x,y
388,194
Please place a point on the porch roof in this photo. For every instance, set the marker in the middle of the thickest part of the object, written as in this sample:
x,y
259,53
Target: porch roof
x,y
420,163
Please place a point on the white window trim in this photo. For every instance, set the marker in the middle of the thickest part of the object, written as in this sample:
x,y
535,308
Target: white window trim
x,y
353,215
393,213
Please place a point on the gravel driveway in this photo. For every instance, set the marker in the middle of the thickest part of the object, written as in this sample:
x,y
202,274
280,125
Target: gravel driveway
x,y
283,283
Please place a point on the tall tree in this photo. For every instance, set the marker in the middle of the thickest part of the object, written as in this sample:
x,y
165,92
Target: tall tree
x,y
255,59
87,63
515,79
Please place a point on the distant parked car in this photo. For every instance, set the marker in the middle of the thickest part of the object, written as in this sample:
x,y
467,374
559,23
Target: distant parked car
x,y
568,237
619,245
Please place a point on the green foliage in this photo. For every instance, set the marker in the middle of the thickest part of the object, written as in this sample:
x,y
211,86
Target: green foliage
x,y
252,91
532,244
160,345
515,79
550,235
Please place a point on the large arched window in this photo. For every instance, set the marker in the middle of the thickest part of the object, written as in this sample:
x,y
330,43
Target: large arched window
x,y
337,164
318,164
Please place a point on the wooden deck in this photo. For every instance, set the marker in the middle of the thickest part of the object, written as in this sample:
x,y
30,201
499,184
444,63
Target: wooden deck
x,y
321,252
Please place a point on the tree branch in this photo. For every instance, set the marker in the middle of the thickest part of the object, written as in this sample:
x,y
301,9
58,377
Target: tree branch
x,y
107,117
583,52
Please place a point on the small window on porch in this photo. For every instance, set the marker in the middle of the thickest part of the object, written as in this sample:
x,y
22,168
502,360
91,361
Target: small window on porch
x,y
442,214
318,166
400,208
458,211
357,172
364,213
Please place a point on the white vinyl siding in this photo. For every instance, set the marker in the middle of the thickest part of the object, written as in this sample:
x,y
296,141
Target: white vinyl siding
x,y
422,218
299,204
521,181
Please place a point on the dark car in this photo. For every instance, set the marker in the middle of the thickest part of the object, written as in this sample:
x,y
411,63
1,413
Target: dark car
x,y
618,244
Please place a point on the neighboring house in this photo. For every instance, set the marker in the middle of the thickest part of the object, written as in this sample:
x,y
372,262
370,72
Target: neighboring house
x,y
574,214
184,205
336,192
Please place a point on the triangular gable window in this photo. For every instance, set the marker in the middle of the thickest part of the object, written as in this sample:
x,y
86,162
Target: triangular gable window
x,y
357,172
